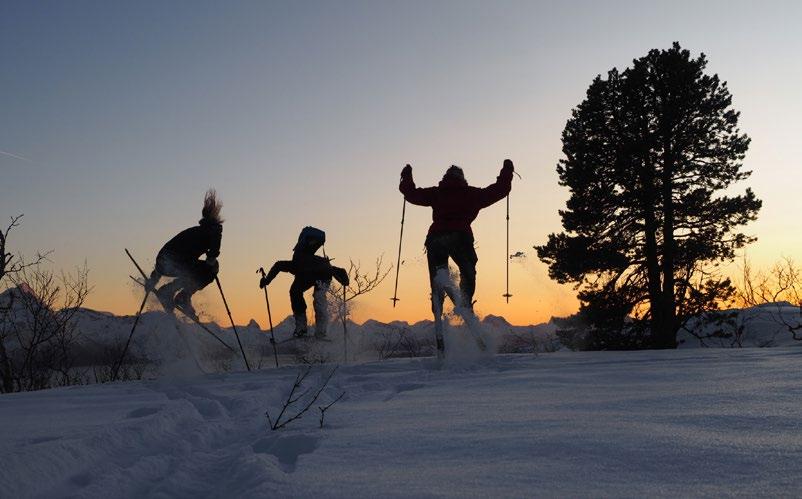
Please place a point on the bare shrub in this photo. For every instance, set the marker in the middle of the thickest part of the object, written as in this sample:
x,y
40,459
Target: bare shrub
x,y
360,283
528,342
38,332
300,400
103,362
776,291
393,342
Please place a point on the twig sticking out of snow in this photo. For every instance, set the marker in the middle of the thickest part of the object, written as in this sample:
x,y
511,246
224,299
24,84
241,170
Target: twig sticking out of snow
x,y
292,399
323,409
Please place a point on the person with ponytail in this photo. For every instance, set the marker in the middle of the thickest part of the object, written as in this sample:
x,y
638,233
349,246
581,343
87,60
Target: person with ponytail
x,y
181,256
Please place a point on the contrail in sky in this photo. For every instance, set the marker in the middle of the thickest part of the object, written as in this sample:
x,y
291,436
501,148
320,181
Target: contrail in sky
x,y
6,153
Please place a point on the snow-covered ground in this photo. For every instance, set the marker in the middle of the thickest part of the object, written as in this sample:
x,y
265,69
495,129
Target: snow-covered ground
x,y
701,422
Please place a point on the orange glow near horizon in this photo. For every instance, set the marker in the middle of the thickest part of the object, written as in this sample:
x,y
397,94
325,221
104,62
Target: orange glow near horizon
x,y
116,121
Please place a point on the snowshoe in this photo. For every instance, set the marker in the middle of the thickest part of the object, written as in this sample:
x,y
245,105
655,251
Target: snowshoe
x,y
184,304
165,297
188,310
300,326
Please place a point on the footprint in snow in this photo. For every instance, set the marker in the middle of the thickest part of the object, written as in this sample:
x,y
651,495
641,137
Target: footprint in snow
x,y
81,479
287,448
142,412
41,440
403,387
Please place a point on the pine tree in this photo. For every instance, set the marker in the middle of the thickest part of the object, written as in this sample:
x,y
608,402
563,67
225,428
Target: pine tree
x,y
648,154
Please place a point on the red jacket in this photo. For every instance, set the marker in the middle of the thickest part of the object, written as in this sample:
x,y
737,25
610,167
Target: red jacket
x,y
455,204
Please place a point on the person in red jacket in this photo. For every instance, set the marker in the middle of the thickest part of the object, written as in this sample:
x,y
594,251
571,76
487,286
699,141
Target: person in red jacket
x,y
455,204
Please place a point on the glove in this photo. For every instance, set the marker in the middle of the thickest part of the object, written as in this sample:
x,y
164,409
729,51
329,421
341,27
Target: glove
x,y
213,264
507,167
406,173
264,281
341,275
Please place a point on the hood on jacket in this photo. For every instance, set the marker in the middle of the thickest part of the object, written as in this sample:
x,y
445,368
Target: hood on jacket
x,y
453,177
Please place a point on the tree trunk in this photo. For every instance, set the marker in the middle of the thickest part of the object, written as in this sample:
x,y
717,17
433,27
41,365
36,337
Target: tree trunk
x,y
650,237
666,334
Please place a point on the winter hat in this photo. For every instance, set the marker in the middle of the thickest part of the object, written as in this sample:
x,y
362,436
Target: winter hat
x,y
455,171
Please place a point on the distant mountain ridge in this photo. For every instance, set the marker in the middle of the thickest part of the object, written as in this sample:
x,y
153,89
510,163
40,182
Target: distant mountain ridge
x,y
765,325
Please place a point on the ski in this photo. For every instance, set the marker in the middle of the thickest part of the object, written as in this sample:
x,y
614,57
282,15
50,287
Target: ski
x,y
193,319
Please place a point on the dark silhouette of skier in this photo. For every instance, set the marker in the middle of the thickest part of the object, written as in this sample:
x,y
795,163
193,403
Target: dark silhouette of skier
x,y
310,270
180,258
455,204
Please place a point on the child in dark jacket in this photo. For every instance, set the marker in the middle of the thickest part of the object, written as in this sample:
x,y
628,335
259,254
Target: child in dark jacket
x,y
310,271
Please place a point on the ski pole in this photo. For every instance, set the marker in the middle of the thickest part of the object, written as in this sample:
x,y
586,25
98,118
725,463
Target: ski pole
x,y
507,295
398,262
119,363
345,326
269,318
195,320
217,280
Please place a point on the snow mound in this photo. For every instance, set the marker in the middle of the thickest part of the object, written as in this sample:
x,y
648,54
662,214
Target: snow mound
x,y
589,424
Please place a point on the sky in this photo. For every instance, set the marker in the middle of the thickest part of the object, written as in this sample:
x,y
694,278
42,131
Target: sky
x,y
117,116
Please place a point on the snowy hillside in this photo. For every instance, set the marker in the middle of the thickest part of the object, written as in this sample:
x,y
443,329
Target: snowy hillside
x,y
160,336
163,343
769,325
707,422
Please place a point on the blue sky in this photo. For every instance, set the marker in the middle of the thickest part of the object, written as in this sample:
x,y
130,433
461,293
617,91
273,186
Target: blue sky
x,y
304,113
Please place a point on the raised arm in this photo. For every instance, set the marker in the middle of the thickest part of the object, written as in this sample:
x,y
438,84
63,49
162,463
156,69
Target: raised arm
x,y
415,195
500,188
279,266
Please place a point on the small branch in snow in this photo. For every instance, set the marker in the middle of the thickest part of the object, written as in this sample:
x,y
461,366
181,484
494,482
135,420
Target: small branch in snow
x,y
284,418
323,409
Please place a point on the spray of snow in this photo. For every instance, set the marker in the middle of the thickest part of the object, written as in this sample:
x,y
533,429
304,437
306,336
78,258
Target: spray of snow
x,y
321,305
464,337
172,345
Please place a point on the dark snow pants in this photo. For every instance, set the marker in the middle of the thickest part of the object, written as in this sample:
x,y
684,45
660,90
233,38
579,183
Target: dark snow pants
x,y
301,283
459,247
190,275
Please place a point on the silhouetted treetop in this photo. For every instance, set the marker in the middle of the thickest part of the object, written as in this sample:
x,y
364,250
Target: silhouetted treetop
x,y
647,156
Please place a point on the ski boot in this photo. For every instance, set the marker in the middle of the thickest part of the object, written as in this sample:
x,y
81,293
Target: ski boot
x,y
300,326
320,332
183,303
441,349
